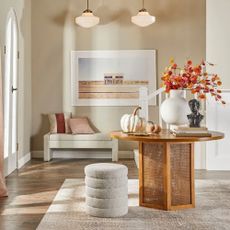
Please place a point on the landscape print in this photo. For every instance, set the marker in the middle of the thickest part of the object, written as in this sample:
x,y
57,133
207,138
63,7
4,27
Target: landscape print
x,y
111,78
112,86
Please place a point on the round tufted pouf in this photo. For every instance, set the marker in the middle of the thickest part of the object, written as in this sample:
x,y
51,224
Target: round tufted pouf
x,y
106,171
106,190
106,183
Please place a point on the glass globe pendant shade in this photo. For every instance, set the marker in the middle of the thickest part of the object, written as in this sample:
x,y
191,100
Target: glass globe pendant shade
x,y
87,19
143,18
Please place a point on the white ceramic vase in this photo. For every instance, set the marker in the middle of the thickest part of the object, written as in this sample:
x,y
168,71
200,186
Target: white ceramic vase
x,y
174,110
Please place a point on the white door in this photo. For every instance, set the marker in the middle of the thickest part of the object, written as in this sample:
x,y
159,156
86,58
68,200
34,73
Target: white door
x,y
218,118
10,94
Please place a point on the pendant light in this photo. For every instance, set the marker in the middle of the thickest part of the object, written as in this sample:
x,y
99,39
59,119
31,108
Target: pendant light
x,y
143,18
87,19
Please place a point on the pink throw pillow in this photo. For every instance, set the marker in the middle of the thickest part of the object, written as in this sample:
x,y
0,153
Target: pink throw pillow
x,y
80,125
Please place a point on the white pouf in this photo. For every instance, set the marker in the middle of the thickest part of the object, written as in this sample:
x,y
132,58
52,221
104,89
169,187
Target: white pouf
x,y
107,213
106,203
106,190
106,183
106,193
106,170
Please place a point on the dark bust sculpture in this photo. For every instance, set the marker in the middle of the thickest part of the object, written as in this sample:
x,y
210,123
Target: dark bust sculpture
x,y
195,117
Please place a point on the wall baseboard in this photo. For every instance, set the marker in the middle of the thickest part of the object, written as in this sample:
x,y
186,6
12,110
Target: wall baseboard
x,y
80,154
36,154
23,160
10,164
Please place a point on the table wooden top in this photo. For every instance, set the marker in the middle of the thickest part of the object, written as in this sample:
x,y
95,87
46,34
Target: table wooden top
x,y
165,136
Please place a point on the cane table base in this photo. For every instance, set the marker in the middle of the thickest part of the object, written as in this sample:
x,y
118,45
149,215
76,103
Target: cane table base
x,y
166,175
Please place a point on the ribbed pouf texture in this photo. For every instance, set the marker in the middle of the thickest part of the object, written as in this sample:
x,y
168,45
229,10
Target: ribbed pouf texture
x,y
106,190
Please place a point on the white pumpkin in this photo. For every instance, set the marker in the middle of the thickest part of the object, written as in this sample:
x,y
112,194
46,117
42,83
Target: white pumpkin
x,y
131,123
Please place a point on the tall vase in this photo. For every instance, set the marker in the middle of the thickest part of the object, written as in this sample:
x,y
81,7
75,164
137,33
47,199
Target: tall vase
x,y
174,110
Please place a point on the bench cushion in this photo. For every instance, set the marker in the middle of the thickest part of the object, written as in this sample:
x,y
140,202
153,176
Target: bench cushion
x,y
80,137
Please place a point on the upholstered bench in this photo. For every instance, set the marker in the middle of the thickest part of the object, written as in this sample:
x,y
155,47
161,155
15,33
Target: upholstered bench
x,y
83,141
106,190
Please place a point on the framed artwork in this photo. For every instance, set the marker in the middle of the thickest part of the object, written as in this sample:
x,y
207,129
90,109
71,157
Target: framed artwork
x,y
111,78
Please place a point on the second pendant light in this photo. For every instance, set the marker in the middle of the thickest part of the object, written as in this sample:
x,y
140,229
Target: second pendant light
x,y
143,18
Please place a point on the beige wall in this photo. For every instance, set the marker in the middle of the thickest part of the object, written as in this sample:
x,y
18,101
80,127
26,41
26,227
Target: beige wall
x,y
178,32
23,10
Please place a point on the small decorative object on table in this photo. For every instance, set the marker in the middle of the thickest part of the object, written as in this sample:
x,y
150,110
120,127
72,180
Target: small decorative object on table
x,y
194,129
174,109
151,128
133,123
185,131
190,77
195,117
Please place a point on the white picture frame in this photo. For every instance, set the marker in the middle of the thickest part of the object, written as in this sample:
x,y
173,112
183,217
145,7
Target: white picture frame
x,y
111,78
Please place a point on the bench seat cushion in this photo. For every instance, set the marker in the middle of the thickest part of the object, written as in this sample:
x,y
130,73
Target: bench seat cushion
x,y
80,137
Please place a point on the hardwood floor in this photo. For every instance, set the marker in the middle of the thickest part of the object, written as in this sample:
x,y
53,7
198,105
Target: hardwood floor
x,y
32,189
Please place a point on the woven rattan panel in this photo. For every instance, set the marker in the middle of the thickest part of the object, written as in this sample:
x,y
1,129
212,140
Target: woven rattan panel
x,y
153,172
180,160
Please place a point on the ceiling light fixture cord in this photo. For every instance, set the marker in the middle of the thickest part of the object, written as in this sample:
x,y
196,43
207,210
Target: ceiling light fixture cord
x,y
87,8
143,7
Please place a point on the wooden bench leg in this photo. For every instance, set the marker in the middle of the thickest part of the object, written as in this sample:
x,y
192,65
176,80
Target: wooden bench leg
x,y
47,150
115,150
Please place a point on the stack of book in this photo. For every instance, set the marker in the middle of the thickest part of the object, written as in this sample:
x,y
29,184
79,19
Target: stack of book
x,y
183,131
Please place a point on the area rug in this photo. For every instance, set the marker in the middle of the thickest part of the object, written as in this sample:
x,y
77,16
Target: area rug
x,y
212,210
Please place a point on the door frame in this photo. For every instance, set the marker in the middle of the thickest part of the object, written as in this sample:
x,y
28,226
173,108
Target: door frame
x,y
11,162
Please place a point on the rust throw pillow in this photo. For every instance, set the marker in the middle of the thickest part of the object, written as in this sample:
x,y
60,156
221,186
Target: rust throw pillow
x,y
59,122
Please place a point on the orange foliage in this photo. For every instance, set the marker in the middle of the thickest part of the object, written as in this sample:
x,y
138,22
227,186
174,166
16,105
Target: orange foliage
x,y
194,78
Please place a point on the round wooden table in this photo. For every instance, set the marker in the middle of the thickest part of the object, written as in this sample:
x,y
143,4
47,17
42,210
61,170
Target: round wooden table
x,y
166,168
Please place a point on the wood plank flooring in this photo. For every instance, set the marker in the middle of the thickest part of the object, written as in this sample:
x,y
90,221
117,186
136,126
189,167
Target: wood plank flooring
x,y
32,189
